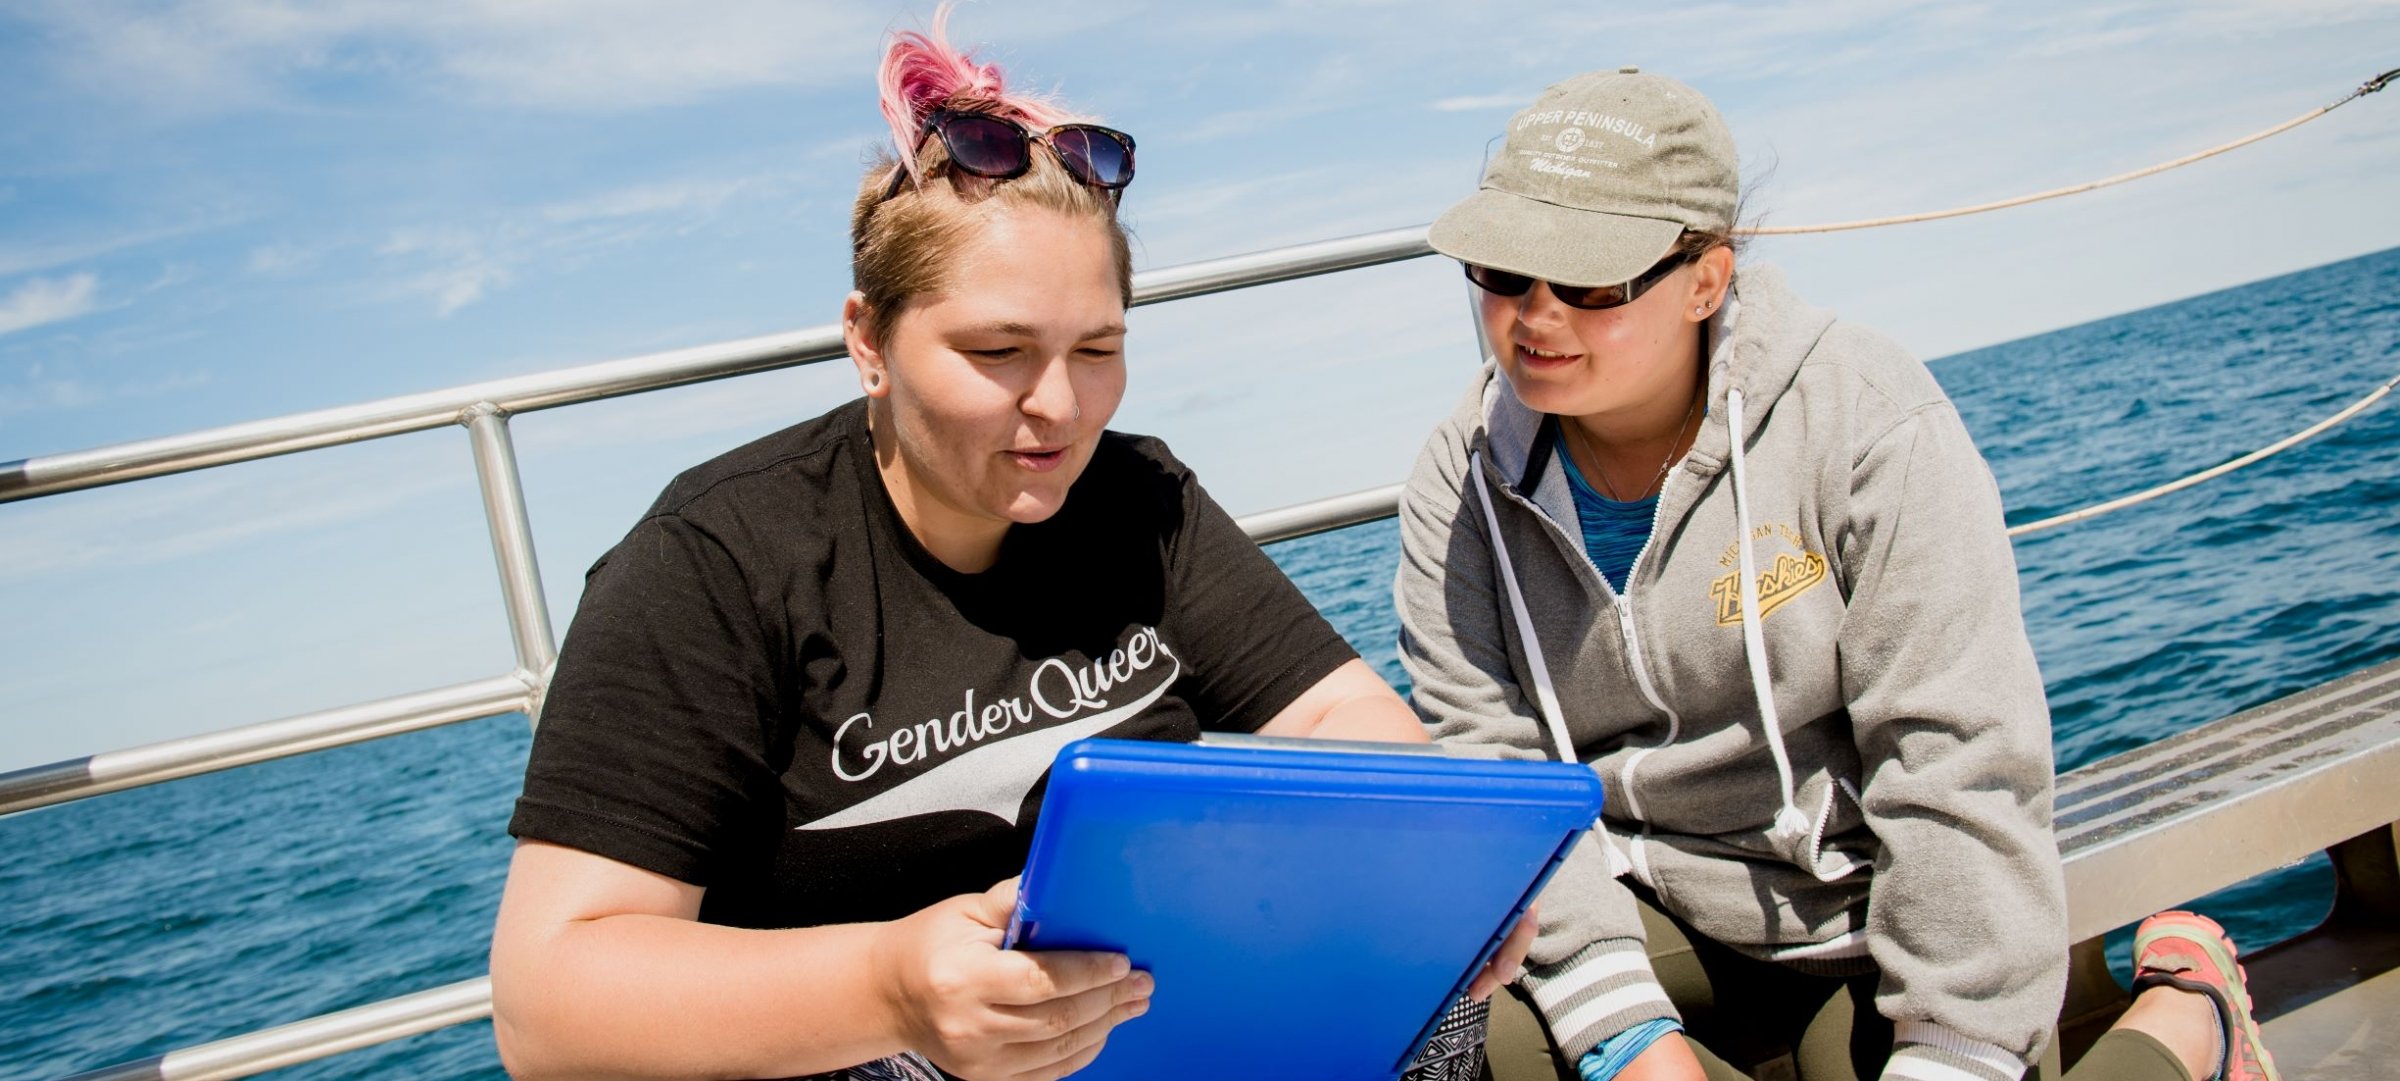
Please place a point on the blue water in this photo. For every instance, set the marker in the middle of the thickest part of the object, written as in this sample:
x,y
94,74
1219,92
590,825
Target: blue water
x,y
157,918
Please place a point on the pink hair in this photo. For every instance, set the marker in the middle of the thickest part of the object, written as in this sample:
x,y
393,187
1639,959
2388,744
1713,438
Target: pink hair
x,y
924,72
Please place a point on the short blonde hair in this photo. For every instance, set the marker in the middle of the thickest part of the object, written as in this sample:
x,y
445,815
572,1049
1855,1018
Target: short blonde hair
x,y
902,247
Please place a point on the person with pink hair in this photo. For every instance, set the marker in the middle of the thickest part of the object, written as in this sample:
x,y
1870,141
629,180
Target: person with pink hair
x,y
793,750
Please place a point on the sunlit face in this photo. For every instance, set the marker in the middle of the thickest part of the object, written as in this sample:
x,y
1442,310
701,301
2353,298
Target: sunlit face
x,y
997,389
1610,362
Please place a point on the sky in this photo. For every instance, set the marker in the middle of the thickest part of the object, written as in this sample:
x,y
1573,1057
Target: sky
x,y
214,211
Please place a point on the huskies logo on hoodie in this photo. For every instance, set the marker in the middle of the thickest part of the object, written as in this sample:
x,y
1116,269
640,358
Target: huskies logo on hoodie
x,y
1788,577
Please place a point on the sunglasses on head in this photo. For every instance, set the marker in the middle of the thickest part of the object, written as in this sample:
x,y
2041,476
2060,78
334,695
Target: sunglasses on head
x,y
998,148
1586,297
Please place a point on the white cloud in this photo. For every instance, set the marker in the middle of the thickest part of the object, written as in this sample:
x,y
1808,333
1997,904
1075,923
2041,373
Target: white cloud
x,y
49,300
25,257
1208,220
171,275
41,390
698,195
210,55
1480,102
2120,27
457,266
456,287
282,257
215,511
460,264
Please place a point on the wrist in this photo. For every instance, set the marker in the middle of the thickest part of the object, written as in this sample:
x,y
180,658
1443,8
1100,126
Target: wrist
x,y
888,989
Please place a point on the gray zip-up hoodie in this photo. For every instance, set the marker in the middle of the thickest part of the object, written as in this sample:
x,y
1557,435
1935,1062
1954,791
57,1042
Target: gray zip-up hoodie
x,y
1885,807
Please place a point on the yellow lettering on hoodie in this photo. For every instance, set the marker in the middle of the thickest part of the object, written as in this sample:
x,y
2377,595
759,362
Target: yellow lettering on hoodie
x,y
1790,577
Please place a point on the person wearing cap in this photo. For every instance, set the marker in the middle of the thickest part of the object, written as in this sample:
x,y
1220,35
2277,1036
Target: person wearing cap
x,y
1742,557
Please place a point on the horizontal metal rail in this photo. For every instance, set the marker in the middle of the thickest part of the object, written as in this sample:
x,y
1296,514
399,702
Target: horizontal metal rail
x,y
2161,824
1280,264
78,778
520,691
1320,515
75,470
315,1038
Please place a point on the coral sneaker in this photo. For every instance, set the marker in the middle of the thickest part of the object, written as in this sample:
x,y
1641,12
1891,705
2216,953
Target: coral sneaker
x,y
2189,951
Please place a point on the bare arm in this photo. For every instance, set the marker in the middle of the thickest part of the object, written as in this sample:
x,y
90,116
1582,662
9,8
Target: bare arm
x,y
1351,702
601,970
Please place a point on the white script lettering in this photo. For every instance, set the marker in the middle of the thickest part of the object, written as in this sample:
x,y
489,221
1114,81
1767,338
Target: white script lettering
x,y
1057,689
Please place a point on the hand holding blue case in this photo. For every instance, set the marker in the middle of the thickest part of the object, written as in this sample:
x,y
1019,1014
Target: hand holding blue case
x,y
1308,914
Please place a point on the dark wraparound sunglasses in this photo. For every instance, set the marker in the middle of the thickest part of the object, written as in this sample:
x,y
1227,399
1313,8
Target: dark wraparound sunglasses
x,y
998,148
1586,297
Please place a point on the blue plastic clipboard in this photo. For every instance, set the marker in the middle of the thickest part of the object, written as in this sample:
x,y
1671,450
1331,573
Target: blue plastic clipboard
x,y
1309,914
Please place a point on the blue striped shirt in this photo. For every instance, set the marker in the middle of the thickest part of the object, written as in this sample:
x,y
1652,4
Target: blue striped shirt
x,y
1613,532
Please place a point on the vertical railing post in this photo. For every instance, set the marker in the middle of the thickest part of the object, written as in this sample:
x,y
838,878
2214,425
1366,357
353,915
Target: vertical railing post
x,y
2366,878
512,546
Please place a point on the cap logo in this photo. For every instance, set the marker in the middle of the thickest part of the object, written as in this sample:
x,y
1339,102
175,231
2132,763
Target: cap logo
x,y
1569,139
1581,119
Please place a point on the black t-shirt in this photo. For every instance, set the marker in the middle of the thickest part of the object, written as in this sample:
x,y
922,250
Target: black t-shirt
x,y
772,691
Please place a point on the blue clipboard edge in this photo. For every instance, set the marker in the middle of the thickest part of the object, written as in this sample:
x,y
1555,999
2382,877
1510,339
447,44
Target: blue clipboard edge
x,y
1491,948
1324,758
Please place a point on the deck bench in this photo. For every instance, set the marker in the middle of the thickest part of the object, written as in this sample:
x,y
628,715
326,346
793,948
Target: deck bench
x,y
2162,824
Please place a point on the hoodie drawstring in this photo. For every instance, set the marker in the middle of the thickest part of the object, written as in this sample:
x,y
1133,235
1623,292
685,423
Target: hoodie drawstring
x,y
1545,696
1791,826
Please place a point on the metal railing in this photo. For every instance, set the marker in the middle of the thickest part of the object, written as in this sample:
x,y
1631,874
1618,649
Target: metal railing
x,y
484,409
315,1038
51,474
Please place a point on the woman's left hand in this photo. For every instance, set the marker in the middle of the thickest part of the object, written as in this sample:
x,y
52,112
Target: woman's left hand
x,y
1509,962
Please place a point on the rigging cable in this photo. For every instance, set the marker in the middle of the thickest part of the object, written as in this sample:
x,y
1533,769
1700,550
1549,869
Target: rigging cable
x,y
2365,88
2097,509
2278,447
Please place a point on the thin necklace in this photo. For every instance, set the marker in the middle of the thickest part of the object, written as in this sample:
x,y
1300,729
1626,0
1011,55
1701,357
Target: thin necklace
x,y
1674,451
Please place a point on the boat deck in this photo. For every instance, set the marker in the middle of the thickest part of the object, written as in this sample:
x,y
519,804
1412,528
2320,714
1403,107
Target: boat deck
x,y
2332,1002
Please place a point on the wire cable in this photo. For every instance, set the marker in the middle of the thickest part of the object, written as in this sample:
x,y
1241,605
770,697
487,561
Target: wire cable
x,y
2261,454
2365,88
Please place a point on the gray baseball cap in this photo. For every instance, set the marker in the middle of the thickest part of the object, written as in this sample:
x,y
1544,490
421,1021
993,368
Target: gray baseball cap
x,y
1596,180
